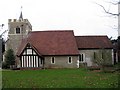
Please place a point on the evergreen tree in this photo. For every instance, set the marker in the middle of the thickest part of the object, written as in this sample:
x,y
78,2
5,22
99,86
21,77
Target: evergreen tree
x,y
10,58
118,42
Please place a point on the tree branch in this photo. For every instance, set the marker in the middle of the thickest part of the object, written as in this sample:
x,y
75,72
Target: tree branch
x,y
108,11
114,3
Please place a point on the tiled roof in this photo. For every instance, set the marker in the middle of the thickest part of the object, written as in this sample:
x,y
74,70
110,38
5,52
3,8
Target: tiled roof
x,y
51,42
93,42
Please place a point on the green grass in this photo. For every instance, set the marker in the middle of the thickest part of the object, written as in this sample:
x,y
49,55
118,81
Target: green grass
x,y
59,78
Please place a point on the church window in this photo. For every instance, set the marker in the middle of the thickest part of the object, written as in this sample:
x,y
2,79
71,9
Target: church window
x,y
94,55
69,60
52,60
102,55
82,57
17,30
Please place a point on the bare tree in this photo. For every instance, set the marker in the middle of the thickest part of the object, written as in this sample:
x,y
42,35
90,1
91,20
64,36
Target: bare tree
x,y
116,3
113,2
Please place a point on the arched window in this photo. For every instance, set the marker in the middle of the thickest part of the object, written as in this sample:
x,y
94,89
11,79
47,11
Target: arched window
x,y
82,57
69,60
17,30
52,60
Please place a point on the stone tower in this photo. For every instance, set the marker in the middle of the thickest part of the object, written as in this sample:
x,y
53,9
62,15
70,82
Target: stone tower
x,y
18,29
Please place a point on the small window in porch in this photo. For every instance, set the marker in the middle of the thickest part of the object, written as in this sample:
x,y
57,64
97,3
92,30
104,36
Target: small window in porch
x,y
52,60
29,51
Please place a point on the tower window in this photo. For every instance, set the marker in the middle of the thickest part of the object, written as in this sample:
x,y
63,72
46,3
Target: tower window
x,y
17,30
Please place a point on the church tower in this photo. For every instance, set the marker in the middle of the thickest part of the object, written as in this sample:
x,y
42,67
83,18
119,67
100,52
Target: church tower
x,y
18,29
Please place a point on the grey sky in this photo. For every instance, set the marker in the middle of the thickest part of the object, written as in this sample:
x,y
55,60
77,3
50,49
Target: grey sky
x,y
82,16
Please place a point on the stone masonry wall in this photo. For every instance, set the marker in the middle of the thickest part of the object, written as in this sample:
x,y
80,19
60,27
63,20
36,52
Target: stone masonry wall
x,y
61,62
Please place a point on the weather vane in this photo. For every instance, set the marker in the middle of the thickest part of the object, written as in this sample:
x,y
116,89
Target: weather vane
x,y
21,8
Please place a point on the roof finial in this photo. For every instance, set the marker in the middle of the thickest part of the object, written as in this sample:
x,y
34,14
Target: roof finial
x,y
21,16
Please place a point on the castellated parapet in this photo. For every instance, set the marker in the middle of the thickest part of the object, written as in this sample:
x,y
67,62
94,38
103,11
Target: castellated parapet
x,y
17,30
20,21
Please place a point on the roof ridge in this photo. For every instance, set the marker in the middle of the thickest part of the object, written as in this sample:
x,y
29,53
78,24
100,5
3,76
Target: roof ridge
x,y
92,36
53,31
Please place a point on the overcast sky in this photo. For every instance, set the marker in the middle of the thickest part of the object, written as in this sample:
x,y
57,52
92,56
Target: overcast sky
x,y
83,16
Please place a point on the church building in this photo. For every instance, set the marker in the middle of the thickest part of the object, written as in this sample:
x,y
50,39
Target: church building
x,y
55,48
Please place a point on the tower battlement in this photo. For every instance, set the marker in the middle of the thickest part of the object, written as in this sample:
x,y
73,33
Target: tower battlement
x,y
20,21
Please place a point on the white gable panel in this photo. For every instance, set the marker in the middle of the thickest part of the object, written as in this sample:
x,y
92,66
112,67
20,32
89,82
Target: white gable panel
x,y
36,61
29,51
24,52
22,61
34,52
32,61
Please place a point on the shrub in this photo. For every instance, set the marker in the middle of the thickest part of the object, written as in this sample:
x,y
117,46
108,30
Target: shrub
x,y
10,58
4,65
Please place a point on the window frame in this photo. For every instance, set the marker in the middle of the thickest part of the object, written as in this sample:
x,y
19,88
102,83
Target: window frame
x,y
82,57
25,51
102,55
29,51
52,60
94,54
69,58
18,28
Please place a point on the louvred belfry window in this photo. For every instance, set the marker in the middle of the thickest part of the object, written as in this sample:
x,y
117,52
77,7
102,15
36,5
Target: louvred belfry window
x,y
17,30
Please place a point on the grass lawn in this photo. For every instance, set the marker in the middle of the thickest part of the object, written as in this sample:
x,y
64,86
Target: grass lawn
x,y
59,78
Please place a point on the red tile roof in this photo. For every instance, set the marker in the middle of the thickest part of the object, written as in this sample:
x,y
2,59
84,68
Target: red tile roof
x,y
93,42
51,42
